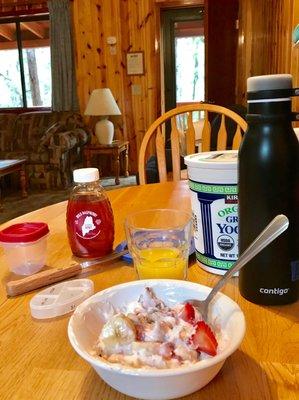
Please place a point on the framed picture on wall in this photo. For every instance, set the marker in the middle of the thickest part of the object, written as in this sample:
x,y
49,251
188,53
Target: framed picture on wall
x,y
135,63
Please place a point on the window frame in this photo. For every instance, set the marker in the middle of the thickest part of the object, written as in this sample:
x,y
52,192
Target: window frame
x,y
17,20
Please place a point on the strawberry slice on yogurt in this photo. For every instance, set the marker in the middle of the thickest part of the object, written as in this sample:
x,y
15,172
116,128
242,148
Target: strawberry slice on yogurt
x,y
204,339
187,313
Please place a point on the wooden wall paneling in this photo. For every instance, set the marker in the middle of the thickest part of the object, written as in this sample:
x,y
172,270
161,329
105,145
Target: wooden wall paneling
x,y
83,36
128,119
112,72
243,51
136,83
264,47
133,25
142,38
96,67
137,37
151,58
295,57
127,25
282,36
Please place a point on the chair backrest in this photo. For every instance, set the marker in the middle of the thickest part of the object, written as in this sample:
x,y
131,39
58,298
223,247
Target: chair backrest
x,y
157,131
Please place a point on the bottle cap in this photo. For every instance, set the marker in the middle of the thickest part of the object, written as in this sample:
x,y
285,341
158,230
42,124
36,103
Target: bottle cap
x,y
269,82
82,175
267,87
60,299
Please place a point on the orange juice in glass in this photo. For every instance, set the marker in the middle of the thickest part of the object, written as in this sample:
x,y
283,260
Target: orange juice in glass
x,y
159,241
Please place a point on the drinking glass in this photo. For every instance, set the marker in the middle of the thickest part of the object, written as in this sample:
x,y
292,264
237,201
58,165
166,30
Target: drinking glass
x,y
159,242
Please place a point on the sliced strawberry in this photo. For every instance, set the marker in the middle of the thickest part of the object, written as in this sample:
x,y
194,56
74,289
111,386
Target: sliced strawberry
x,y
204,339
187,313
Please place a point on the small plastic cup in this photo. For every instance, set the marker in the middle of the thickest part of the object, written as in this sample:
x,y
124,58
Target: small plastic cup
x,y
25,246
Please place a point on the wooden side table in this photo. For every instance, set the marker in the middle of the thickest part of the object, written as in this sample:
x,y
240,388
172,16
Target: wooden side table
x,y
10,166
115,149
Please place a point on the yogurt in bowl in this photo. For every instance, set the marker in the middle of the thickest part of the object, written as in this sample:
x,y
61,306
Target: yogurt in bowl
x,y
172,381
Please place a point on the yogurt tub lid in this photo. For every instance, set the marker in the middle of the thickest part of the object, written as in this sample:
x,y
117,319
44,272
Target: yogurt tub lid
x,y
60,299
226,159
24,232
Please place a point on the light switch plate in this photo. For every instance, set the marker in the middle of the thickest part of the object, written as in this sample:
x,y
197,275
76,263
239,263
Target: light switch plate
x,y
136,90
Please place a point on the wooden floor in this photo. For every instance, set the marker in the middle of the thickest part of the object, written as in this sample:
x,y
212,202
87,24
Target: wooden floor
x,y
14,205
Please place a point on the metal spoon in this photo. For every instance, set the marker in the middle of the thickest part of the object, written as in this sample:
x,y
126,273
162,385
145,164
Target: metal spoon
x,y
275,228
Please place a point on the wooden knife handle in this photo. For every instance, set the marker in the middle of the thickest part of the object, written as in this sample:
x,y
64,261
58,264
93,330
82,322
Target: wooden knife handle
x,y
40,279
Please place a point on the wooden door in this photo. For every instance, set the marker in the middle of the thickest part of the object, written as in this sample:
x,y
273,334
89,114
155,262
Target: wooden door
x,y
221,34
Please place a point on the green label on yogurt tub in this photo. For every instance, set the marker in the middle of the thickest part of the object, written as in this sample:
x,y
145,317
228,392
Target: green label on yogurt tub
x,y
215,223
216,189
210,262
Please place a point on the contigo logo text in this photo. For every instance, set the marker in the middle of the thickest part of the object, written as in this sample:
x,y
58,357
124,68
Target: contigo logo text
x,y
278,291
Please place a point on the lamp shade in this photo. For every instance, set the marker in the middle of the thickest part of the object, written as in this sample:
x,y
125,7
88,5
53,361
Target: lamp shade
x,y
101,102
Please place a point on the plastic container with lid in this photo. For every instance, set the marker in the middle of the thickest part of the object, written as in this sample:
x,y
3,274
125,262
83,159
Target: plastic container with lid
x,y
89,216
25,246
214,200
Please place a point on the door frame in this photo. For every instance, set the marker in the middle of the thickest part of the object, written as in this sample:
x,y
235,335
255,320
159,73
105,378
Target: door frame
x,y
168,19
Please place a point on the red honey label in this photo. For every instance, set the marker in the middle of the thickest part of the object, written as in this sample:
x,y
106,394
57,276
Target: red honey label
x,y
87,224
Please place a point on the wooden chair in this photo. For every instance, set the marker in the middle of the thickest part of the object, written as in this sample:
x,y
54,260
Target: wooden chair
x,y
157,131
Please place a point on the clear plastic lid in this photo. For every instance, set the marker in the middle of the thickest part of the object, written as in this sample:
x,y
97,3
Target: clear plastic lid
x,y
60,299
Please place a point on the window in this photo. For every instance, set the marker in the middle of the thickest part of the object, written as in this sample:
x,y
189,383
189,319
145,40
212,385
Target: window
x,y
25,63
190,68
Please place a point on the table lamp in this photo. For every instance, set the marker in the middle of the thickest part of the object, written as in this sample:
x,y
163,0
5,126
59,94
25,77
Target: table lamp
x,y
101,102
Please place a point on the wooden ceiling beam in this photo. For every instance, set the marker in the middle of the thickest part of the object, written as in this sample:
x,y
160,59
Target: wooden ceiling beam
x,y
35,28
31,44
7,33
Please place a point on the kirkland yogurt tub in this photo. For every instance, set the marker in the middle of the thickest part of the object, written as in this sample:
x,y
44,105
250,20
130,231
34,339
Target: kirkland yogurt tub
x,y
214,201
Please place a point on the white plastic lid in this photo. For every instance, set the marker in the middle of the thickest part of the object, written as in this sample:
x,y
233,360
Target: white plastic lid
x,y
226,159
269,82
86,175
60,299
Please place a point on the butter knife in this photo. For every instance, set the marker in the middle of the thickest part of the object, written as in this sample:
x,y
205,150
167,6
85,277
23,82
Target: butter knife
x,y
49,276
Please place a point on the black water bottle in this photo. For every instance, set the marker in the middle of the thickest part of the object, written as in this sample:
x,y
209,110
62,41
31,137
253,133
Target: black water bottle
x,y
269,185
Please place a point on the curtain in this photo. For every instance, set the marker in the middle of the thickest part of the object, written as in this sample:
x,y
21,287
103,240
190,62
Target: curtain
x,y
64,93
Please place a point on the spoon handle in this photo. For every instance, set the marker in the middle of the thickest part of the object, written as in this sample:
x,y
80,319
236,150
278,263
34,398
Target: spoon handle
x,y
275,228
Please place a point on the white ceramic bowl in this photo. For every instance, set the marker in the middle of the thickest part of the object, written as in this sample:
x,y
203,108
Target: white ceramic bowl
x,y
87,321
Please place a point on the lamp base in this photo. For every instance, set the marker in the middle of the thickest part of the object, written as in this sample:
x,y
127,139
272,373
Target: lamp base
x,y
104,131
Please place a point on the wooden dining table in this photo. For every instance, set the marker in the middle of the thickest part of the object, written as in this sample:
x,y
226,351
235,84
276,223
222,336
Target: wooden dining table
x,y
37,361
